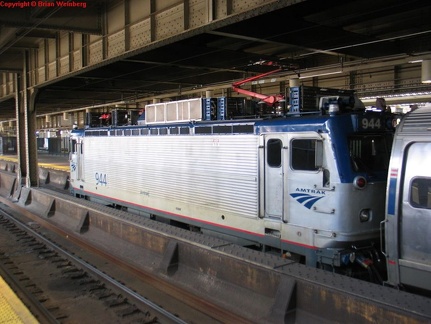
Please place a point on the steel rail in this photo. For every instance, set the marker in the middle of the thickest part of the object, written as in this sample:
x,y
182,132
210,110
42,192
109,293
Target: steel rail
x,y
39,311
94,270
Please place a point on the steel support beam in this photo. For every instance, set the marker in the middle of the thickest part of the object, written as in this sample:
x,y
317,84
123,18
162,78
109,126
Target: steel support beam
x,y
71,19
26,128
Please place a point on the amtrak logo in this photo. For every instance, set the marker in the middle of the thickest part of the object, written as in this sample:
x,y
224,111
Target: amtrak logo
x,y
73,167
307,199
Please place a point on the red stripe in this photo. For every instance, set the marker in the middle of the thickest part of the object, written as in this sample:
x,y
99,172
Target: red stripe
x,y
300,244
235,229
176,215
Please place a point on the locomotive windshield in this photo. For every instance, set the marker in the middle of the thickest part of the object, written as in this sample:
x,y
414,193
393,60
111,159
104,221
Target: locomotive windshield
x,y
370,153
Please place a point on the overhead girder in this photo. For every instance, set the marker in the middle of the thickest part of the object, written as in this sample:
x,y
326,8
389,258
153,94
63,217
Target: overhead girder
x,y
310,33
83,20
11,62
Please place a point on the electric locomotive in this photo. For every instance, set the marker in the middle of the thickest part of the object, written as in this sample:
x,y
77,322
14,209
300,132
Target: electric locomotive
x,y
308,184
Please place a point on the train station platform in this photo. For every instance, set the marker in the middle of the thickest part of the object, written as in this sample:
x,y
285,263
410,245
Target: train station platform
x,y
53,169
45,160
12,310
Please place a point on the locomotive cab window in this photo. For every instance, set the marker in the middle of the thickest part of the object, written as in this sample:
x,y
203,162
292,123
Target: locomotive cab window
x,y
73,145
420,193
76,147
370,153
306,154
273,155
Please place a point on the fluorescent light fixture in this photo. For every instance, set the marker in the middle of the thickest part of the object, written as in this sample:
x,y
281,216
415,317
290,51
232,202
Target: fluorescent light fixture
x,y
400,99
416,61
320,74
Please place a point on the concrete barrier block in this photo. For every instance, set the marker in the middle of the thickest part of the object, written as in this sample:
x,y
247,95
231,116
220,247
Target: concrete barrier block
x,y
7,184
43,175
3,165
58,179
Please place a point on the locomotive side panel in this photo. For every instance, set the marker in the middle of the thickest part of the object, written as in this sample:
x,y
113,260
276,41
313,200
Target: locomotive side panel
x,y
211,178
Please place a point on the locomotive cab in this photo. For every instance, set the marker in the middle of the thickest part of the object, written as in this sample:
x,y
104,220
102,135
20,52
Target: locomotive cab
x,y
76,161
324,184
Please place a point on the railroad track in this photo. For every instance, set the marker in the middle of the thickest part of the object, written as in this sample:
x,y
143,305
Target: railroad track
x,y
200,278
60,287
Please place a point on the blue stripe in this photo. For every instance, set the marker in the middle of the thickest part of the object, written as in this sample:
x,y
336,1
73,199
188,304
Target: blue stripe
x,y
392,196
312,202
306,199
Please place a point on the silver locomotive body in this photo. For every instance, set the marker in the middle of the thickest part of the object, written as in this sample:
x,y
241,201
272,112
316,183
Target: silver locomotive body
x,y
312,186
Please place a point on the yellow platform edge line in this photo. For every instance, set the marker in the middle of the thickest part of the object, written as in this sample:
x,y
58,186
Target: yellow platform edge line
x,y
12,310
51,166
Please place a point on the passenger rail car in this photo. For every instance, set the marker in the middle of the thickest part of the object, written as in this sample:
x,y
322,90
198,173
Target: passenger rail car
x,y
408,220
312,186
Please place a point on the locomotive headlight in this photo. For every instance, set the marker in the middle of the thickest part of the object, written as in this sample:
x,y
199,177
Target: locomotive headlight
x,y
365,215
359,182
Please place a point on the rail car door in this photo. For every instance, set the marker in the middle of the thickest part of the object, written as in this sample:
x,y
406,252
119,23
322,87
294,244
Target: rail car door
x,y
415,218
273,173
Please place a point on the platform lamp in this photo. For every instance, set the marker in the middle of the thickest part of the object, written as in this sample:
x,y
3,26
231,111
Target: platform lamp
x,y
426,71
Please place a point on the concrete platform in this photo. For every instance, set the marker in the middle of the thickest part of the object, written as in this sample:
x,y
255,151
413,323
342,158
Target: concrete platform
x,y
12,310
45,160
53,169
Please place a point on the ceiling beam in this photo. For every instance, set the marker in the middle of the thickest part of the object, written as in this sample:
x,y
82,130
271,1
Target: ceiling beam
x,y
58,18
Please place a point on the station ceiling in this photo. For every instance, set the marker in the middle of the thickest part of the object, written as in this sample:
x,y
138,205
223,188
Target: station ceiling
x,y
303,35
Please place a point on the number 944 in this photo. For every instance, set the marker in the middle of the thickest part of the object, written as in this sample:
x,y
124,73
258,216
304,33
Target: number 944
x,y
100,179
371,123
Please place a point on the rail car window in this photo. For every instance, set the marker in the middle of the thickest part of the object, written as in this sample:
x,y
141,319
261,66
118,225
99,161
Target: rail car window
x,y
303,154
273,155
370,152
420,193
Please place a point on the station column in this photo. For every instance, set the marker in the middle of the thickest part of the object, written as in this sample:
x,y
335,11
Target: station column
x,y
26,127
